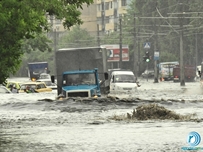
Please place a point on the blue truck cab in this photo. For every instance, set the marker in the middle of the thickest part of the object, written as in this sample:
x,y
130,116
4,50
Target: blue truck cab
x,y
80,83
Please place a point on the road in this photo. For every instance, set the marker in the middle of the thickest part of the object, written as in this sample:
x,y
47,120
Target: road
x,y
31,124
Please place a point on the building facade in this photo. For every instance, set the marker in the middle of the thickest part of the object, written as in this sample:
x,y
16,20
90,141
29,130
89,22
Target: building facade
x,y
103,15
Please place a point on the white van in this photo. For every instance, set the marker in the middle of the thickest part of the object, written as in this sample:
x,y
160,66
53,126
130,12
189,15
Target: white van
x,y
122,82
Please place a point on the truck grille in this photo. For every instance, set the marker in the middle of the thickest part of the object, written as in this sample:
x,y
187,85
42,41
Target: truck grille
x,y
78,94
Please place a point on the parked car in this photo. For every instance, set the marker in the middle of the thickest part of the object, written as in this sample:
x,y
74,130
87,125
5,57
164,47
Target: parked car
x,y
148,73
34,87
3,89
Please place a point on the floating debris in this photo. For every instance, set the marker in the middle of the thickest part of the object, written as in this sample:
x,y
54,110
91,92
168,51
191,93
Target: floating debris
x,y
154,112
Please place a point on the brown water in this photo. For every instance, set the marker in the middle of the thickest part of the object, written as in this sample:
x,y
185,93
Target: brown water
x,y
30,125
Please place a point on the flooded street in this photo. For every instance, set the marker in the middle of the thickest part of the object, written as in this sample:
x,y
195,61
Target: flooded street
x,y
31,124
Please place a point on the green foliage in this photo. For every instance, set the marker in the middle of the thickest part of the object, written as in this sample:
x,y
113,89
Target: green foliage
x,y
77,37
39,42
26,19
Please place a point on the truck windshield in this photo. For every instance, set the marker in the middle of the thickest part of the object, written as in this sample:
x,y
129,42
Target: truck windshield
x,y
79,79
125,78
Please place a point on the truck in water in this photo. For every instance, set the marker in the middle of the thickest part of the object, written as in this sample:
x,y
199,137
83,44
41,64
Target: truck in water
x,y
35,69
81,83
189,73
166,70
75,64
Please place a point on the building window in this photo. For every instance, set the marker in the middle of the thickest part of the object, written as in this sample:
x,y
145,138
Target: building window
x,y
111,4
102,6
123,3
107,6
99,7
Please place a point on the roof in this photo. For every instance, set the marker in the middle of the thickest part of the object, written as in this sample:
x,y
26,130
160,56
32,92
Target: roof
x,y
173,62
33,82
38,62
77,49
79,71
123,72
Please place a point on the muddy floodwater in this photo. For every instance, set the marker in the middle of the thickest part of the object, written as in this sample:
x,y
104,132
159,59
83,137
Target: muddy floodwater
x,y
32,123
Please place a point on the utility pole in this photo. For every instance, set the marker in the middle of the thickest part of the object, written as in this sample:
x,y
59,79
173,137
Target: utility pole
x,y
103,15
138,47
182,67
98,36
196,51
135,52
156,70
120,54
55,49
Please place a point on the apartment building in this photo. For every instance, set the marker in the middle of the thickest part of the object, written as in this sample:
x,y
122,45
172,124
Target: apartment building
x,y
103,15
108,13
89,18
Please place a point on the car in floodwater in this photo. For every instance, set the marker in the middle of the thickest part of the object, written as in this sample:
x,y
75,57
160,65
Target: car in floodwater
x,y
15,84
35,86
3,89
148,73
48,83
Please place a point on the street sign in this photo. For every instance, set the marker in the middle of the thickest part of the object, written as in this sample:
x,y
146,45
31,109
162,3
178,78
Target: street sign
x,y
147,45
156,55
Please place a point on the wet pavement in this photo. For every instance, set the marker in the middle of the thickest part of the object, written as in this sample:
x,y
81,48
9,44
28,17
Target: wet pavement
x,y
30,124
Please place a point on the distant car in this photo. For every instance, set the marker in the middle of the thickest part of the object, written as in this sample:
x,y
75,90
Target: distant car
x,y
3,89
48,83
148,73
36,86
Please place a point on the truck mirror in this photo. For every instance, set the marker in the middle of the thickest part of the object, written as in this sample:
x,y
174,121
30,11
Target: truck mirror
x,y
64,82
52,79
106,76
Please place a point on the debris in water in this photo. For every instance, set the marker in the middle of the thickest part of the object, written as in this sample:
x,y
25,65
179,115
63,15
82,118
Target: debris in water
x,y
154,112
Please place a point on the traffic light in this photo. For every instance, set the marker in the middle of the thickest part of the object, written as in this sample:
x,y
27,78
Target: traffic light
x,y
144,58
147,56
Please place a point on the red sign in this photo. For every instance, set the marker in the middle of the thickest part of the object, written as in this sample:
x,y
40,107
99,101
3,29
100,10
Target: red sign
x,y
113,53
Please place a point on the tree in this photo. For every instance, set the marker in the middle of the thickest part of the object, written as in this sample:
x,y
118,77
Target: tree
x,y
77,37
26,19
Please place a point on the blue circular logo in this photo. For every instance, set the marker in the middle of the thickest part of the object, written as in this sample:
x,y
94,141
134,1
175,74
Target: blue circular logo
x,y
193,139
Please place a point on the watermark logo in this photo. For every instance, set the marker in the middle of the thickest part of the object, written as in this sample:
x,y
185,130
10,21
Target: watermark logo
x,y
193,139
